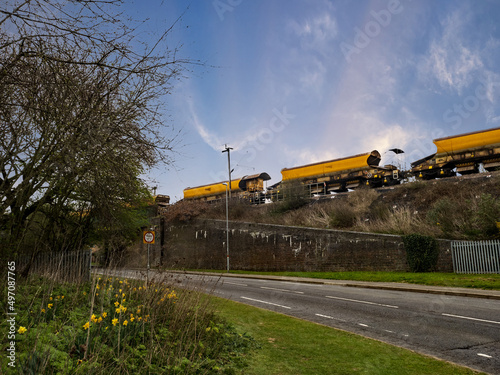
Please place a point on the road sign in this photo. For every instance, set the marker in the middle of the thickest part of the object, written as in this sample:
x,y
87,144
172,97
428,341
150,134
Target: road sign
x,y
149,237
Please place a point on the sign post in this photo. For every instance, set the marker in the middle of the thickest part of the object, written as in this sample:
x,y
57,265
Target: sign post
x,y
148,237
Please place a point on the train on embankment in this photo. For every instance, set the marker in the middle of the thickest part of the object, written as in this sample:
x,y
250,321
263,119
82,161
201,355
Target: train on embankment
x,y
462,154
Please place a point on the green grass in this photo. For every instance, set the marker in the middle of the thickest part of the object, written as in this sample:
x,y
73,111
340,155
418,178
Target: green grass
x,y
479,281
291,346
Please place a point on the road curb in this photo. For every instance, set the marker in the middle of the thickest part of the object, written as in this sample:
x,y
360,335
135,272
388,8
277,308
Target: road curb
x,y
415,288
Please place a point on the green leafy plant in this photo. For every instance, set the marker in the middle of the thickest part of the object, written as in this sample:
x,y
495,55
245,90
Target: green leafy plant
x,y
421,252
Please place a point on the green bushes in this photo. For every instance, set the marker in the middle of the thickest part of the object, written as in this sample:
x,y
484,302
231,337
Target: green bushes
x,y
421,252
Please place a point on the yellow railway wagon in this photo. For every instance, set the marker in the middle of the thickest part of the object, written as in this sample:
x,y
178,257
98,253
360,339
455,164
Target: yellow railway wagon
x,y
467,141
462,153
326,168
210,190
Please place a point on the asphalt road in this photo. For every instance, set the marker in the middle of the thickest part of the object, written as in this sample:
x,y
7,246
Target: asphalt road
x,y
458,329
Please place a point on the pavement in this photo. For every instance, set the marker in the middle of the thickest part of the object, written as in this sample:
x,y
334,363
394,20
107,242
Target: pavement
x,y
417,288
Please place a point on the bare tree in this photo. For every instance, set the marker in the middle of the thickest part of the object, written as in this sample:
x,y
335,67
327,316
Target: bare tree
x,y
79,119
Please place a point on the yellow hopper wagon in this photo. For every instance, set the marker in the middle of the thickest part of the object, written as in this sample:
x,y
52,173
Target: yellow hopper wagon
x,y
339,175
244,187
463,153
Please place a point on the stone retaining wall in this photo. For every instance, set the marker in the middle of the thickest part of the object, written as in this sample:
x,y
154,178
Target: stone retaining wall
x,y
264,247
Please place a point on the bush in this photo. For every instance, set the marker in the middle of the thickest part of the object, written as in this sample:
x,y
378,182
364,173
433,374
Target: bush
x,y
421,252
294,197
342,215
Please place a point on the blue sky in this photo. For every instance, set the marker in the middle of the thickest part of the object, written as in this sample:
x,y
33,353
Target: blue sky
x,y
290,82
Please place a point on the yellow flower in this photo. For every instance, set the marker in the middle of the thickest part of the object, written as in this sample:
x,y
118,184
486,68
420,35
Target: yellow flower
x,y
104,314
125,322
97,286
50,298
114,321
93,318
99,320
84,293
86,325
117,303
50,305
43,310
62,297
21,330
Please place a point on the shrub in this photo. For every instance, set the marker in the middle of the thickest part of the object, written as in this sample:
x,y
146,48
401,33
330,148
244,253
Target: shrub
x,y
342,215
294,197
421,252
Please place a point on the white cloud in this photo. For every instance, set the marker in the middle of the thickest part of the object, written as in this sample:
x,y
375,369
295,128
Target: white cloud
x,y
451,60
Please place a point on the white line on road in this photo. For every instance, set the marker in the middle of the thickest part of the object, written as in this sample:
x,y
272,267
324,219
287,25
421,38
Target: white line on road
x,y
267,303
281,290
484,355
329,317
469,318
363,325
365,302
229,282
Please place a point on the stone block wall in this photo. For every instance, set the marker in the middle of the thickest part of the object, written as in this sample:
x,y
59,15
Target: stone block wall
x,y
264,247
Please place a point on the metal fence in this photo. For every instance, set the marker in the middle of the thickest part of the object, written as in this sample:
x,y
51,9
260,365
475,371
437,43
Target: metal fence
x,y
72,266
476,256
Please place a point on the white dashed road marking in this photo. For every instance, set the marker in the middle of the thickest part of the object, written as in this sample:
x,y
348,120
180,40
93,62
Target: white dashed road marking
x,y
229,282
484,355
469,318
329,317
365,302
267,303
281,290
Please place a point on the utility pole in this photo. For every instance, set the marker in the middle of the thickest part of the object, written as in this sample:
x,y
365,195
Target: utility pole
x,y
228,150
227,228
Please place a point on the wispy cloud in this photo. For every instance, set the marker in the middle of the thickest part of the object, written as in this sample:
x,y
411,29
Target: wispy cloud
x,y
453,61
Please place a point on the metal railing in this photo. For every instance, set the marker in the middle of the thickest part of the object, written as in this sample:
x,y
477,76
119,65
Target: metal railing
x,y
72,266
476,256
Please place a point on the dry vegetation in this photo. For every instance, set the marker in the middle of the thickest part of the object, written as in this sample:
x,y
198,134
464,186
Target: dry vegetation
x,y
458,208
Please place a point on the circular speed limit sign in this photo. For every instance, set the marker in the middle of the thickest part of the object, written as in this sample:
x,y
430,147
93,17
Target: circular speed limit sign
x,y
149,236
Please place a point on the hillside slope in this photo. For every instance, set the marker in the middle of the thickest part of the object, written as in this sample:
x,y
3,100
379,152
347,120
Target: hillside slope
x,y
457,208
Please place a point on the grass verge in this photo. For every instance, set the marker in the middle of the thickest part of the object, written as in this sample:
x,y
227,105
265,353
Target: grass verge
x,y
292,346
478,281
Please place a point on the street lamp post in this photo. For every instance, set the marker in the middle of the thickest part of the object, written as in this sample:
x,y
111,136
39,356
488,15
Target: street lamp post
x,y
228,150
227,226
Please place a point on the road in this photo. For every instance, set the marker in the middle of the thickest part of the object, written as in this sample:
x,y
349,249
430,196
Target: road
x,y
461,330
